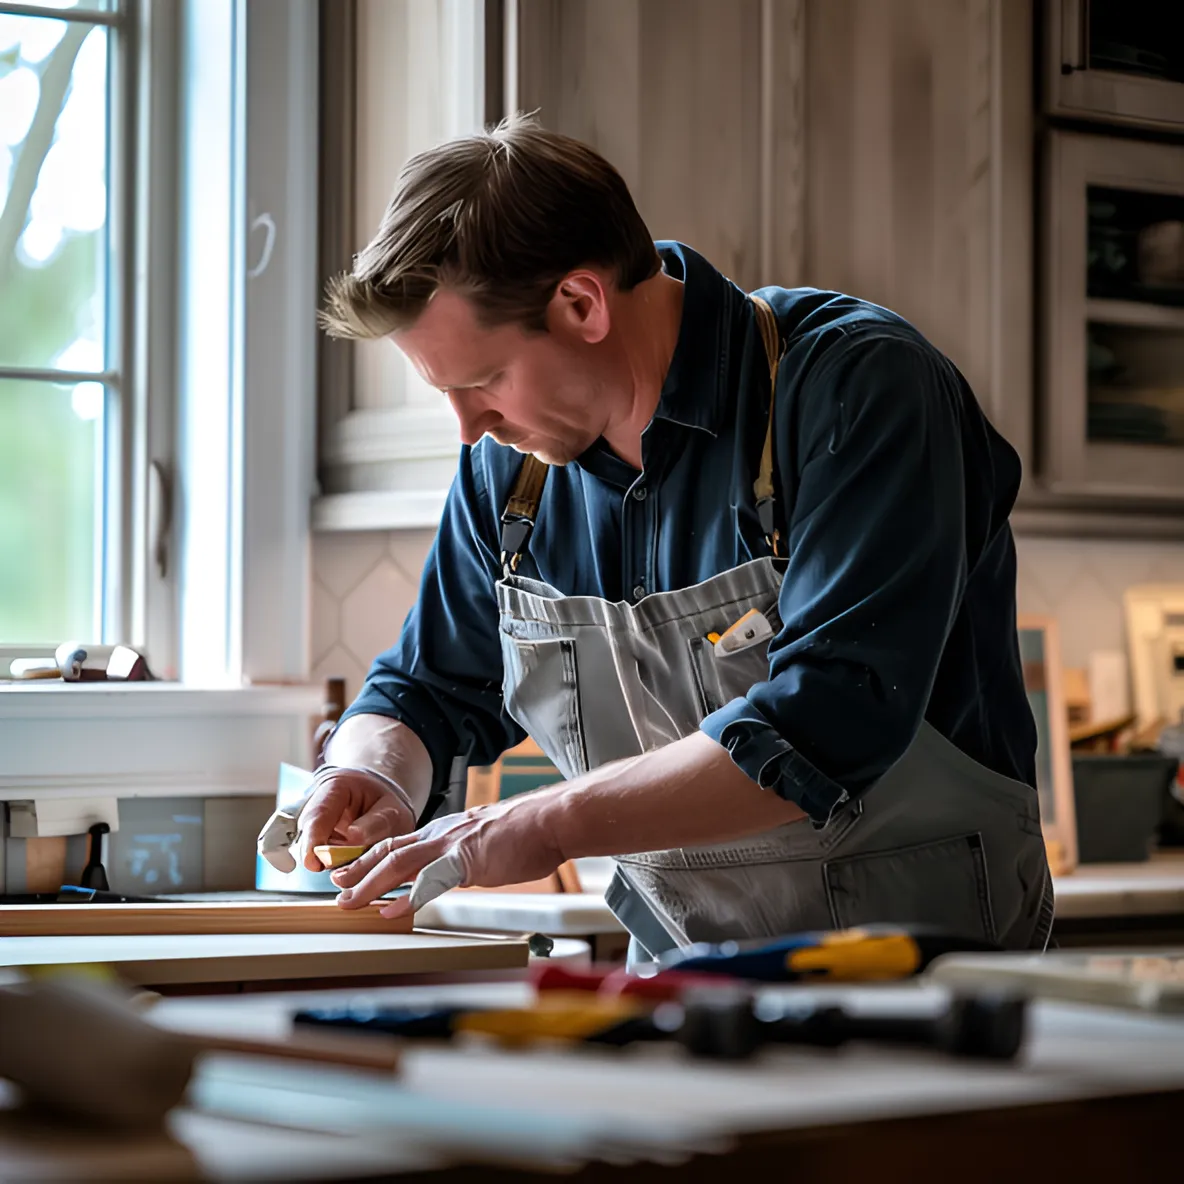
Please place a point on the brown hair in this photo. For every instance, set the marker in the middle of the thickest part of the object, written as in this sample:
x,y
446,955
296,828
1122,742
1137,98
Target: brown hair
x,y
500,217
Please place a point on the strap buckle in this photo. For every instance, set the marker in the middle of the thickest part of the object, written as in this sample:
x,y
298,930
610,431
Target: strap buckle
x,y
516,531
766,513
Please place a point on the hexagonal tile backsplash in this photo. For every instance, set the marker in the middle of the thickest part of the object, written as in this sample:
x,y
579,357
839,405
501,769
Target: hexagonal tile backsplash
x,y
364,583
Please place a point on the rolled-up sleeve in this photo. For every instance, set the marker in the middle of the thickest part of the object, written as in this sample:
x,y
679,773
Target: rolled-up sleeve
x,y
443,678
876,571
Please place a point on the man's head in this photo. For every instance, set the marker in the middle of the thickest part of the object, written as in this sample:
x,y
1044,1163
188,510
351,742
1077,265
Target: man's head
x,y
497,269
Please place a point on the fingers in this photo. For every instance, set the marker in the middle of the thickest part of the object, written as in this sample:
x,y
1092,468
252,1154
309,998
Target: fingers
x,y
319,819
380,823
353,872
391,863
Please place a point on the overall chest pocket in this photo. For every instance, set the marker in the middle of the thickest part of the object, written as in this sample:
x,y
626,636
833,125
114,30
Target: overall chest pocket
x,y
540,690
721,678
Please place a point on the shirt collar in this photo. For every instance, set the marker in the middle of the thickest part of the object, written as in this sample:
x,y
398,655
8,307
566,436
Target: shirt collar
x,y
695,392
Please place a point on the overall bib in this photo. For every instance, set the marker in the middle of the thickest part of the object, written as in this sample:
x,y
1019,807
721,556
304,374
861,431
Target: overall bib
x,y
939,839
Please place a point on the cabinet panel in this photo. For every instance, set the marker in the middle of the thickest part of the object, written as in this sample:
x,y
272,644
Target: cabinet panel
x,y
698,104
919,178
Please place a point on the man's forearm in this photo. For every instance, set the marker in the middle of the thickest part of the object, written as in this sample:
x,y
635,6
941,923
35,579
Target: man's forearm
x,y
388,746
683,795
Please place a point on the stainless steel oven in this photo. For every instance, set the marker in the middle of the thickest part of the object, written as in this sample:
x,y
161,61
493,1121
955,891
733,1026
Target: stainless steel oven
x,y
1116,60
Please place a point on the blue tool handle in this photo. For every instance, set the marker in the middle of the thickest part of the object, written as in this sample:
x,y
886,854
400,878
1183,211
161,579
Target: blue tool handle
x,y
765,963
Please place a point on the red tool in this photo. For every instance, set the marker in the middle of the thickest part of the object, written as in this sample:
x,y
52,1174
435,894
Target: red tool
x,y
614,982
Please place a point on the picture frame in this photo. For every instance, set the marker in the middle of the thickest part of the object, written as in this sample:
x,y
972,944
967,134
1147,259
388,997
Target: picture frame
x,y
1040,655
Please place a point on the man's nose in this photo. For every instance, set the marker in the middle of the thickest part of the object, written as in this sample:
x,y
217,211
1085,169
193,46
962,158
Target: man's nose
x,y
474,420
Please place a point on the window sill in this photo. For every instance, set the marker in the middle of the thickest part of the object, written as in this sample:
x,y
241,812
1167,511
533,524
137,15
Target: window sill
x,y
151,739
380,510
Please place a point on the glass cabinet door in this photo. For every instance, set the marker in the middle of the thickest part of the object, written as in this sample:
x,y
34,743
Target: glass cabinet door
x,y
1119,60
1113,316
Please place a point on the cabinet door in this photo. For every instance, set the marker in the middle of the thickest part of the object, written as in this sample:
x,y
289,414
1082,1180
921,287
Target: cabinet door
x,y
919,178
697,103
1113,316
1115,60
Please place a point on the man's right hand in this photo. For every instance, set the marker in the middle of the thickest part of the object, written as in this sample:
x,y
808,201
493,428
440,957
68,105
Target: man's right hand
x,y
354,806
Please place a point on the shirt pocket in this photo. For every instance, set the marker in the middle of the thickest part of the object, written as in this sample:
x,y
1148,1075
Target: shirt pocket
x,y
540,690
941,883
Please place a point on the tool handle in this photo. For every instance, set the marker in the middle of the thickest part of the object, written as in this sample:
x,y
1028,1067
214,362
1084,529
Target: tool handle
x,y
617,982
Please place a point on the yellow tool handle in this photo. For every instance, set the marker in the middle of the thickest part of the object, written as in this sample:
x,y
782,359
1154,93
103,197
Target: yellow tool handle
x,y
514,1025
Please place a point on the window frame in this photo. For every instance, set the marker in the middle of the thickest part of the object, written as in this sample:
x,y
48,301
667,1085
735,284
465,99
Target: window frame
x,y
118,495
236,719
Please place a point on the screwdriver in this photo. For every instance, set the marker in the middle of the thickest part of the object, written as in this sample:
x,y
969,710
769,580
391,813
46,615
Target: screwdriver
x,y
867,954
714,1024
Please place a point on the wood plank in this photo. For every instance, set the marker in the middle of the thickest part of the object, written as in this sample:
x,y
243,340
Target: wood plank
x,y
191,959
168,919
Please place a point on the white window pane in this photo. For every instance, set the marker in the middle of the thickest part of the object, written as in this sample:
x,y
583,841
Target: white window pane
x,y
50,481
53,191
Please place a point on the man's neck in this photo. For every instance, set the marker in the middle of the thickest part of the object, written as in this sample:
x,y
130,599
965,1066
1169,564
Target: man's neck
x,y
648,320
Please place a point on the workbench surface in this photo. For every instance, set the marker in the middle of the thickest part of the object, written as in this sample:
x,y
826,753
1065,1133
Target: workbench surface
x,y
1154,888
546,1108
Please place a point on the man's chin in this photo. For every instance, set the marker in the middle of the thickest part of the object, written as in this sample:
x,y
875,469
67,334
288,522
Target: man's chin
x,y
541,452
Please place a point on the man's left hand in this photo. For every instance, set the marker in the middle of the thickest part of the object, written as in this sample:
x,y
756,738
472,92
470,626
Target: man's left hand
x,y
503,843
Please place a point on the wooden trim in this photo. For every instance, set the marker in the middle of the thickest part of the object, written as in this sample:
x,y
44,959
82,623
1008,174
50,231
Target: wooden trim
x,y
495,61
336,245
1060,837
223,917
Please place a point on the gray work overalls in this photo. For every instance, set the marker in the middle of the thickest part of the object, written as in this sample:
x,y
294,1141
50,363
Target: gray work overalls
x,y
939,839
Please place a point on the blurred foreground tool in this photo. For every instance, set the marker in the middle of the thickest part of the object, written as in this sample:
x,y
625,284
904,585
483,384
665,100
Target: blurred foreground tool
x,y
77,1048
873,953
613,981
719,1023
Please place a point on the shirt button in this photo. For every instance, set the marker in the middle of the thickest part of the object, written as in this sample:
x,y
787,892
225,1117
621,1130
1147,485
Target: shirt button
x,y
638,591
639,493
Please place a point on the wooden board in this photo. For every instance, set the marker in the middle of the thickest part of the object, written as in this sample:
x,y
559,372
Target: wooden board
x,y
123,920
239,958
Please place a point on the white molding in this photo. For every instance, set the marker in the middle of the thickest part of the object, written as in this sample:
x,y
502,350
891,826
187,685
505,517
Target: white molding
x,y
149,700
379,510
379,435
151,740
279,340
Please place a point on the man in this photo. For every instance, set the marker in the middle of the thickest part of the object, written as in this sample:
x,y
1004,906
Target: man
x,y
757,603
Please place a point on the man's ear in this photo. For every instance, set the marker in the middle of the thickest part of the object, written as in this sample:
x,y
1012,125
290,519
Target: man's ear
x,y
580,306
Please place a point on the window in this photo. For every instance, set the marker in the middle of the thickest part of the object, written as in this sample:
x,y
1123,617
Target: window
x,y
157,369
62,286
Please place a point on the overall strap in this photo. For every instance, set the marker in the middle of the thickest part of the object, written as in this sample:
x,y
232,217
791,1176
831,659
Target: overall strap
x,y
762,487
520,512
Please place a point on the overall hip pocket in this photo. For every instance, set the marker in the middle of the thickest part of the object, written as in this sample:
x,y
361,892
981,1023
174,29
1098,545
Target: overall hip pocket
x,y
942,883
540,690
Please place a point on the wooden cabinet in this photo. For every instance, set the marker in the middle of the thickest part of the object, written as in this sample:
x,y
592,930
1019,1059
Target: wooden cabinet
x,y
885,149
699,104
1113,316
919,179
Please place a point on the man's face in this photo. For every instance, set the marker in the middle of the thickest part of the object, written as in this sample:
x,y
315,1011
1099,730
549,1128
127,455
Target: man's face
x,y
536,392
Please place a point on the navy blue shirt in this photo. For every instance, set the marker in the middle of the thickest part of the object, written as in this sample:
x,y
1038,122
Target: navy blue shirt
x,y
892,491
